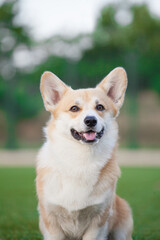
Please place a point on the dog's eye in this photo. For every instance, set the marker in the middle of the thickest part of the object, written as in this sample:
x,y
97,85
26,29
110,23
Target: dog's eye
x,y
74,109
100,107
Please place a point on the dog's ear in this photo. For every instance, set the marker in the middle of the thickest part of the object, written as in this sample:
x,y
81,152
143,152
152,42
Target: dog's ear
x,y
114,85
52,90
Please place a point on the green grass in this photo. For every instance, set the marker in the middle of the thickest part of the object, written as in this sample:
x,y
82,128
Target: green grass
x,y
18,204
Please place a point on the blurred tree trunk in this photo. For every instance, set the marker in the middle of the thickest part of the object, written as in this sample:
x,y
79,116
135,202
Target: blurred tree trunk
x,y
132,109
11,115
11,131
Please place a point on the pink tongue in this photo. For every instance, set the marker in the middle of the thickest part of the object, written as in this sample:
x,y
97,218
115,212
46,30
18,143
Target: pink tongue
x,y
89,135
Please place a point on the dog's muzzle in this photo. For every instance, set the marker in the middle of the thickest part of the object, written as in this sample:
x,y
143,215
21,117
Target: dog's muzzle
x,y
88,137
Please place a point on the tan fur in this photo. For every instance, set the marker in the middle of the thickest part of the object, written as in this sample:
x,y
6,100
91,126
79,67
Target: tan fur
x,y
46,77
108,176
122,211
121,217
45,218
41,173
86,94
116,75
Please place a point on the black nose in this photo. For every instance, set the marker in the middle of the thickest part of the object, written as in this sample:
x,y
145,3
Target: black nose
x,y
90,121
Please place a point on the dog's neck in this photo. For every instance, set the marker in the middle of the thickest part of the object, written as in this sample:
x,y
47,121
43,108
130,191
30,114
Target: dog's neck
x,y
70,154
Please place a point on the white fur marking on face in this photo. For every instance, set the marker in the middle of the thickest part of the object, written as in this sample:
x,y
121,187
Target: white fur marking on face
x,y
78,102
87,113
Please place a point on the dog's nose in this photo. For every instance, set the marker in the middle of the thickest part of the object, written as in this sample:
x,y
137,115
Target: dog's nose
x,y
90,121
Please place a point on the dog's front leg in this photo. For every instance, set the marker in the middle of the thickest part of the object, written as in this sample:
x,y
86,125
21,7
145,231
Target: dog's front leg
x,y
50,232
95,232
49,228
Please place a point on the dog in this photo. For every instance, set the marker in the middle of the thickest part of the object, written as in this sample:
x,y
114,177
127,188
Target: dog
x,y
76,167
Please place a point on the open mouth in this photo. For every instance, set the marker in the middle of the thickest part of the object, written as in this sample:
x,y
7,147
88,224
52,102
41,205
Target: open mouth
x,y
89,136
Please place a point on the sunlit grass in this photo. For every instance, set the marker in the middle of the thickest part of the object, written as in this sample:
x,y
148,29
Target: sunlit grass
x,y
18,204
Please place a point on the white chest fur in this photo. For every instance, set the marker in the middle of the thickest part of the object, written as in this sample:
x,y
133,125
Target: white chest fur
x,y
72,193
74,171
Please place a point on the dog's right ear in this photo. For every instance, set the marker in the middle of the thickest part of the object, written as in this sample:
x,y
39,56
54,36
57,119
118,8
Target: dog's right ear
x,y
52,90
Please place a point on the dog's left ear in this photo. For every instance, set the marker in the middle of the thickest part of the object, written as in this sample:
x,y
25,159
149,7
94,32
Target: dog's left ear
x,y
114,85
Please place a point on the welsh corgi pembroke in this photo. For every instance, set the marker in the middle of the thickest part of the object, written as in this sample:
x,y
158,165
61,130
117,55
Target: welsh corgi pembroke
x,y
76,167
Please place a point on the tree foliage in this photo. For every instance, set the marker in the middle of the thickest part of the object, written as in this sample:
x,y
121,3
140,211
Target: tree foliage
x,y
18,93
135,46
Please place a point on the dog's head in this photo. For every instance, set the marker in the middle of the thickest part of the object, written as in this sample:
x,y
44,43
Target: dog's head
x,y
84,115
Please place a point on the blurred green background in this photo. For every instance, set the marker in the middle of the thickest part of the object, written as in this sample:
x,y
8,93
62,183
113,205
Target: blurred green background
x,y
81,61
125,33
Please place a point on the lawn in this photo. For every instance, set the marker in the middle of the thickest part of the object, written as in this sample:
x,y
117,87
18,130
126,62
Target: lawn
x,y
18,205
